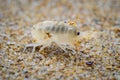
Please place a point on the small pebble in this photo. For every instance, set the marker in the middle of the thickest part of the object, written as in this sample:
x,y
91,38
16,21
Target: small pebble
x,y
89,63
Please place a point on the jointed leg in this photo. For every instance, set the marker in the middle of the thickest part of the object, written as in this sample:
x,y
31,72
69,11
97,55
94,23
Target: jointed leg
x,y
31,45
44,46
68,47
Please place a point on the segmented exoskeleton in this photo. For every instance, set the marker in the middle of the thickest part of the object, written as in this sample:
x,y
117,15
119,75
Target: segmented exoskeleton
x,y
59,32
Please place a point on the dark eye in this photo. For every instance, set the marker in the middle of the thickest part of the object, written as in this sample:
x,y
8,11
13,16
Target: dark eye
x,y
78,33
65,21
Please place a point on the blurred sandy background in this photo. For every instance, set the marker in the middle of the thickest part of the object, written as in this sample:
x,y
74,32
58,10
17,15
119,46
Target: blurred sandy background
x,y
98,59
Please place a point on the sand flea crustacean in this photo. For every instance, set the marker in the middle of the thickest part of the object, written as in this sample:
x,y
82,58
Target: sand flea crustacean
x,y
46,32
